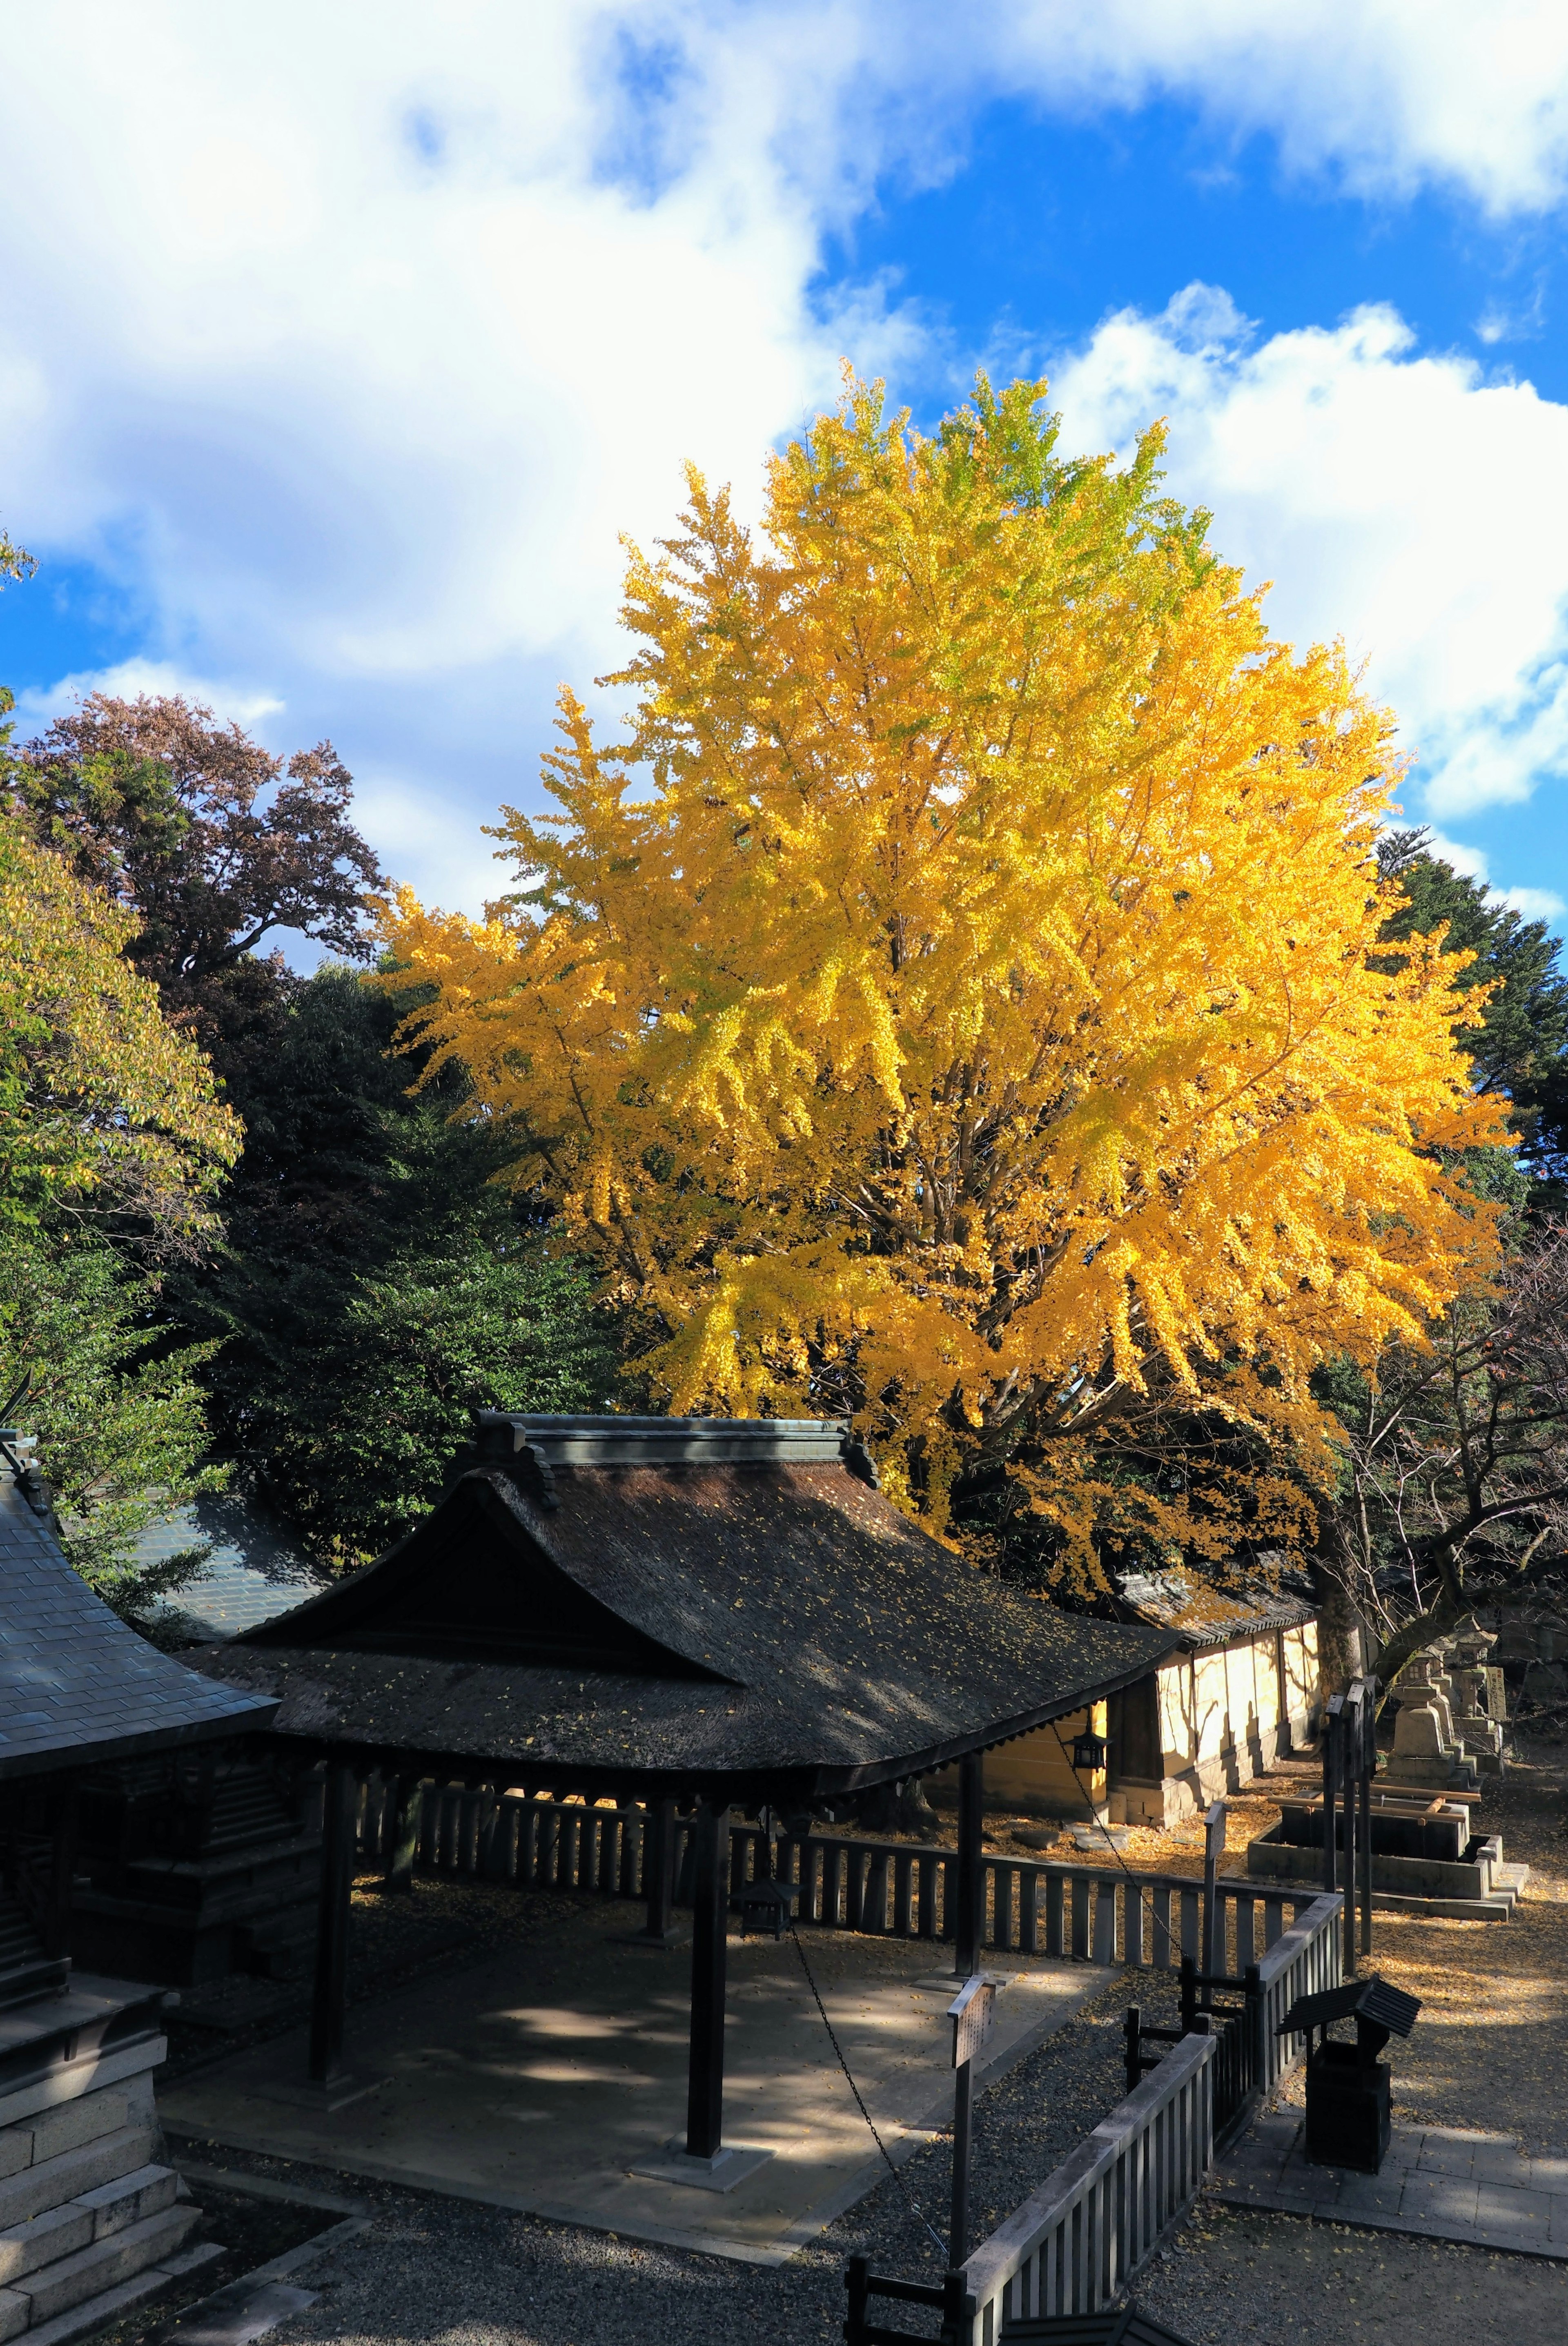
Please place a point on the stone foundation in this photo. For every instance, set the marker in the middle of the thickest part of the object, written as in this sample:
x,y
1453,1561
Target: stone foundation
x,y
91,2218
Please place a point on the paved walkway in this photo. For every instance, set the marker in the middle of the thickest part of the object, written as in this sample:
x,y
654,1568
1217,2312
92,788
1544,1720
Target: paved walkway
x,y
540,2080
1437,2184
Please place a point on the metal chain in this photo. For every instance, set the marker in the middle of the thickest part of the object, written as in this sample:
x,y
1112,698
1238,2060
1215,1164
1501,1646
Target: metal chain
x,y
911,2205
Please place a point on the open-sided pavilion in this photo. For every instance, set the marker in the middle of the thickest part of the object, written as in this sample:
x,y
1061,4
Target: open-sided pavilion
x,y
713,1612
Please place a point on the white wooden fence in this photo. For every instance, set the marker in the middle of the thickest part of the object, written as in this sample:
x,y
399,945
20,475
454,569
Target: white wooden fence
x,y
1032,1906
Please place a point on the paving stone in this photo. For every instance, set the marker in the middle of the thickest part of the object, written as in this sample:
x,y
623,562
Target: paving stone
x,y
1522,2213
1441,2203
1379,2195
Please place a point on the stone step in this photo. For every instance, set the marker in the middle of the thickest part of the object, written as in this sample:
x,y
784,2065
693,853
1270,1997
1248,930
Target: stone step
x,y
94,2215
118,2205
53,2181
94,2311
55,2289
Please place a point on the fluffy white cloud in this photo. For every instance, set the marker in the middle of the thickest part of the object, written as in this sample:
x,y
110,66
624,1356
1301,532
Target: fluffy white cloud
x,y
1388,94
1402,501
352,338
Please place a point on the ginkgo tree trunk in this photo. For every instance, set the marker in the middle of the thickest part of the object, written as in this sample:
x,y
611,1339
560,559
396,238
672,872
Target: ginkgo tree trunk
x,y
956,997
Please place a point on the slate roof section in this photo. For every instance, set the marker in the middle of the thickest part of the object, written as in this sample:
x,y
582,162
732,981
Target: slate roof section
x,y
620,1605
255,1567
74,1682
1206,1616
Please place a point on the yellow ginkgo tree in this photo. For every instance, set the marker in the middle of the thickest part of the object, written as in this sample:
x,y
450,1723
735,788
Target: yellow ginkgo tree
x,y
958,998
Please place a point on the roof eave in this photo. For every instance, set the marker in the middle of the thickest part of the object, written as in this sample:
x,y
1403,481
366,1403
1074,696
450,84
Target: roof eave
x,y
246,1718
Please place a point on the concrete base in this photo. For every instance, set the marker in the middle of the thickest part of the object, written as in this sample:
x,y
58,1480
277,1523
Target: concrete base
x,y
541,2078
658,1940
722,2172
1479,1887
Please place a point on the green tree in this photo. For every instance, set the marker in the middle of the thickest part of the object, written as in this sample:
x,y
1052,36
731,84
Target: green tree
x,y
1518,1041
114,1405
378,1282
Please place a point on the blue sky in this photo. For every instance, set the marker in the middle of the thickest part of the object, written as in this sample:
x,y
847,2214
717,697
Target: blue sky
x,y
337,348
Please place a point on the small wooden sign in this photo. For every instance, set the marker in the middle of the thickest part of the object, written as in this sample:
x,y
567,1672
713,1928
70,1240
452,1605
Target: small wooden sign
x,y
971,2013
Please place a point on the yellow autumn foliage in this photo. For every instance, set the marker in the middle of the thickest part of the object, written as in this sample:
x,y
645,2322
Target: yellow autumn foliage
x,y
101,1101
958,998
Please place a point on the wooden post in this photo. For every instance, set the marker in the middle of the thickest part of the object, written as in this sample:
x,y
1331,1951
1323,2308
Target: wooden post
x,y
1213,1846
705,2072
963,2137
1364,1839
1347,1757
330,1992
1330,1786
658,1870
57,1933
970,1871
407,1805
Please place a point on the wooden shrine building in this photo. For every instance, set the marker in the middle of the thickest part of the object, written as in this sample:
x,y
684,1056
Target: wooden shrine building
x,y
90,2215
721,1612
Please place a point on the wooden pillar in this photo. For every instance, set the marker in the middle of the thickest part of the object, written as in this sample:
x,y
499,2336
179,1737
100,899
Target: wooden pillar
x,y
658,1870
970,1871
705,2072
1330,1786
1211,1943
1370,1760
1347,1808
408,1807
330,1992
63,1866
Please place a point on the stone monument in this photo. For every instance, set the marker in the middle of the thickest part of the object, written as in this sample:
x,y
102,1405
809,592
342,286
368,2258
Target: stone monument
x,y
1429,1751
1478,1697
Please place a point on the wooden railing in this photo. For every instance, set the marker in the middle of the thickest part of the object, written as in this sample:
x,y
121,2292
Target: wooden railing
x,y
1081,2238
894,1889
1081,2235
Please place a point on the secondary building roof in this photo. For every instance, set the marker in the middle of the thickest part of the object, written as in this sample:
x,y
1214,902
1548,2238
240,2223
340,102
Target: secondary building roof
x,y
75,1683
620,1604
1206,1616
254,1569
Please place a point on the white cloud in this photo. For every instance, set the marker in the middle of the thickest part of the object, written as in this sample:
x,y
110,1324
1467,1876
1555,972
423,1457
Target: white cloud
x,y
1531,903
352,337
1388,96
1402,501
129,680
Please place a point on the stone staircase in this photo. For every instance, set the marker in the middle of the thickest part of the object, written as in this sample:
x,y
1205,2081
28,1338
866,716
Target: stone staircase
x,y
91,2219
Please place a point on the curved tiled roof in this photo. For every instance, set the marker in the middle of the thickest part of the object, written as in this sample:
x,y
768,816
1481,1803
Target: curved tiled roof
x,y
614,1599
1209,1616
74,1681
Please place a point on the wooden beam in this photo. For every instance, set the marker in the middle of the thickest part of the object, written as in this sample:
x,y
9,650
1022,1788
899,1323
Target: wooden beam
x,y
705,2071
330,1989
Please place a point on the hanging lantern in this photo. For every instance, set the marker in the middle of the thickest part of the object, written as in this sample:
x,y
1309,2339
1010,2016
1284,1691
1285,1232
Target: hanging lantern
x,y
1088,1752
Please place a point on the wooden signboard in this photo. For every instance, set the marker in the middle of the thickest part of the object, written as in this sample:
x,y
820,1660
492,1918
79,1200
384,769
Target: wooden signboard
x,y
971,2013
